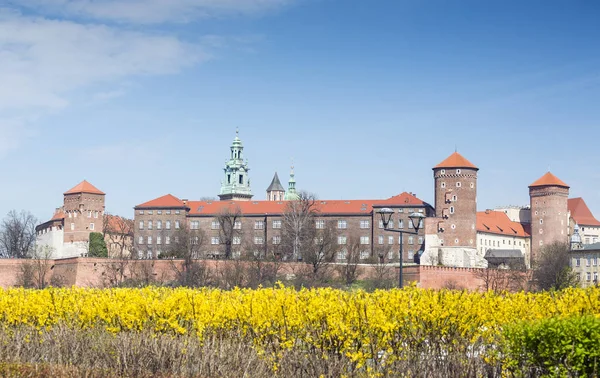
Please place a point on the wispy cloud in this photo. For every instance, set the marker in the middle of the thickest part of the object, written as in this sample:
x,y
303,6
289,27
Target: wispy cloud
x,y
13,132
152,11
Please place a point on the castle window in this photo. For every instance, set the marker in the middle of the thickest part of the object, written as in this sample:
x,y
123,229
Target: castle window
x,y
258,240
149,225
364,224
215,225
453,226
455,241
364,255
401,223
277,224
237,225
177,225
541,242
390,255
341,240
159,225
141,240
342,224
237,240
320,224
390,240
167,240
411,240
541,231
588,261
380,239
177,212
454,198
229,179
364,240
443,185
451,209
259,225
241,179
92,226
472,185
168,225
541,221
158,240
89,213
150,212
443,171
214,240
149,240
458,184
72,226
141,225
141,212
75,214
458,171
276,239
168,212
341,255
420,240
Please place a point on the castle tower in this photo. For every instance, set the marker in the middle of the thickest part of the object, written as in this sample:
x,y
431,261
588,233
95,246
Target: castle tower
x,y
236,185
291,194
456,201
83,211
549,215
275,191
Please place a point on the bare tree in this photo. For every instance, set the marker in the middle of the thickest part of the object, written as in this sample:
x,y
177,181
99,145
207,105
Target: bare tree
x,y
349,269
510,277
298,225
262,264
188,245
322,251
552,270
17,234
35,273
230,228
383,275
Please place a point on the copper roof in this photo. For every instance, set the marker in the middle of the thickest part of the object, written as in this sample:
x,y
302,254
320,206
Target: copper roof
x,y
456,160
84,187
581,213
549,180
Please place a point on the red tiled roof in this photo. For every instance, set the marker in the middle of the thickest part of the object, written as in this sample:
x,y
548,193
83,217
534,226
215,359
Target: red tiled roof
x,y
581,213
211,208
58,215
549,180
456,160
119,225
496,222
166,201
84,187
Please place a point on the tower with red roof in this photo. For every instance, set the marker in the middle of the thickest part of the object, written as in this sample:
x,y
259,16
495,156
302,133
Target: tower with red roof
x,y
83,211
549,212
456,200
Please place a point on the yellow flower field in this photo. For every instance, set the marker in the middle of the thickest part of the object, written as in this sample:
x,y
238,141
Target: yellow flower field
x,y
360,326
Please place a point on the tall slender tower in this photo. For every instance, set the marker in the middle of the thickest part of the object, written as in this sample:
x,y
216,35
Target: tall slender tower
x,y
236,185
275,191
291,194
549,212
456,201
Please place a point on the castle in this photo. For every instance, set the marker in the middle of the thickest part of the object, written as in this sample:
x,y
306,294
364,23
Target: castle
x,y
455,233
67,233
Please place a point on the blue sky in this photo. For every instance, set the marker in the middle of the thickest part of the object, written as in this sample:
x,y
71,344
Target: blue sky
x,y
142,97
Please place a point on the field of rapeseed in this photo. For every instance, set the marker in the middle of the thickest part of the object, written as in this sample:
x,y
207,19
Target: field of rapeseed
x,y
361,334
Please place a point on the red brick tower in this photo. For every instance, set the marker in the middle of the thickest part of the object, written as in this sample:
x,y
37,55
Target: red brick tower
x,y
84,212
549,215
456,201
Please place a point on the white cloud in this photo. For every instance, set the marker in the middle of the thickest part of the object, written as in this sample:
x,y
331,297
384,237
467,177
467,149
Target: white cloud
x,y
152,11
41,60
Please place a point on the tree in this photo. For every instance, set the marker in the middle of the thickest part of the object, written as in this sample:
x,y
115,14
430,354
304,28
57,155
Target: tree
x,y
552,269
97,245
298,228
321,252
348,270
34,272
188,245
230,227
512,277
17,235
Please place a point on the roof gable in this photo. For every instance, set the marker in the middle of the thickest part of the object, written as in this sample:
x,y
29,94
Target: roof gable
x,y
581,213
84,187
455,160
166,201
549,180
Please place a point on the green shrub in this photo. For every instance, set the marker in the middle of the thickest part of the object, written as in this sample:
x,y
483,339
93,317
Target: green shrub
x,y
554,347
97,245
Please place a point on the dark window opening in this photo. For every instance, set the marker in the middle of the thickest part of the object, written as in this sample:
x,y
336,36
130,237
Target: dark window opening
x,y
241,179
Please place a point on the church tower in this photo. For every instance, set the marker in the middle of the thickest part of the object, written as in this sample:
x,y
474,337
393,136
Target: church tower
x,y
549,212
291,194
236,185
275,191
456,201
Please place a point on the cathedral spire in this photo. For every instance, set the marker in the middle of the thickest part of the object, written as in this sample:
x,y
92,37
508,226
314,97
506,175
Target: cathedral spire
x,y
236,185
291,194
